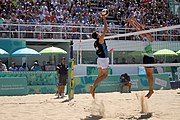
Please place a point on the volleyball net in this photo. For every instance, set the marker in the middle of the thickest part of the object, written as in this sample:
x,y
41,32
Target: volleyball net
x,y
128,47
129,52
126,54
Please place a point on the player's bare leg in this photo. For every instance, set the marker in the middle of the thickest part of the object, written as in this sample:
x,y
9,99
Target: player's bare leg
x,y
149,72
92,91
102,74
62,91
92,87
59,91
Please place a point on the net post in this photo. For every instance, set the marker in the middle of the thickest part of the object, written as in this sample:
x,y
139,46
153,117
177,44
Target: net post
x,y
71,73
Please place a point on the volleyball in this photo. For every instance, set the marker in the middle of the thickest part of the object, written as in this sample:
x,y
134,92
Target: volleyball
x,y
105,12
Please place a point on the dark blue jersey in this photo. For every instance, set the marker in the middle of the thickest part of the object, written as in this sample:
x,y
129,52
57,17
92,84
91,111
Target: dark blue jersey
x,y
101,49
62,69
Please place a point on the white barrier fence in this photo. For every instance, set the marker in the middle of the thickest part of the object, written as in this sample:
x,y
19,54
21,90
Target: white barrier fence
x,y
80,32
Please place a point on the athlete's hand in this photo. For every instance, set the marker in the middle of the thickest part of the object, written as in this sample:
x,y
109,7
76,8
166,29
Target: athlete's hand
x,y
102,16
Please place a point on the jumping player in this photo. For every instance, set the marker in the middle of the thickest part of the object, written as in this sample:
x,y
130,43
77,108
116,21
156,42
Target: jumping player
x,y
148,57
102,54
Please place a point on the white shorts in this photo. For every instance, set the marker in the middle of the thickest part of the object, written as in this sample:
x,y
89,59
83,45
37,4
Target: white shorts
x,y
103,63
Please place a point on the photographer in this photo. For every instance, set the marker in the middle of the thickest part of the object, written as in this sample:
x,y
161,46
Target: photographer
x,y
125,81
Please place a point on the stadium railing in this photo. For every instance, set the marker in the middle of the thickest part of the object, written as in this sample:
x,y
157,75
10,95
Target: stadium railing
x,y
79,31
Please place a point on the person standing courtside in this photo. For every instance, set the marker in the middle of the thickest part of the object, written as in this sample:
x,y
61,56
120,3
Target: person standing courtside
x,y
102,54
62,71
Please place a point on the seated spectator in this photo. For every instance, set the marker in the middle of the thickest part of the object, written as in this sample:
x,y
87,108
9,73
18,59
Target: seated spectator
x,y
124,61
133,60
13,67
24,67
43,67
125,81
49,67
2,66
36,67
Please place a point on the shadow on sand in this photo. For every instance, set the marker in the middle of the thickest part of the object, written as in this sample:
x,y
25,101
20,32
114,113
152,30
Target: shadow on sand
x,y
92,117
67,100
146,116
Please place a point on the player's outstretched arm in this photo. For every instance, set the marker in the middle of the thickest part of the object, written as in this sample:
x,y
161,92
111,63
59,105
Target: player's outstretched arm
x,y
134,23
101,39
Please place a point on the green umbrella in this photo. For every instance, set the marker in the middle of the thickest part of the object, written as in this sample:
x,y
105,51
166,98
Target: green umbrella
x,y
53,50
165,52
178,52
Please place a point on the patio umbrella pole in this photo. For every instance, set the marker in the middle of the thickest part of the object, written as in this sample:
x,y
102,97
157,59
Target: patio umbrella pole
x,y
165,59
165,62
55,60
26,64
52,58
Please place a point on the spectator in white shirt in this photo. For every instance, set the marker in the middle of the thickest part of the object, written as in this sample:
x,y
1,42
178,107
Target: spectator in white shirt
x,y
2,66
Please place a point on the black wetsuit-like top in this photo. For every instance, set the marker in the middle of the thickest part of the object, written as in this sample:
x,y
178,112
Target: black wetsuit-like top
x,y
101,49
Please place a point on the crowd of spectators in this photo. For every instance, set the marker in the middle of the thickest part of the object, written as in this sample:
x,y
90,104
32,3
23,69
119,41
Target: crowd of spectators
x,y
147,12
151,13
35,67
78,12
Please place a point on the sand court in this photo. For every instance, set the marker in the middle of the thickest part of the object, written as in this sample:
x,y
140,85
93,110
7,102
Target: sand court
x,y
163,105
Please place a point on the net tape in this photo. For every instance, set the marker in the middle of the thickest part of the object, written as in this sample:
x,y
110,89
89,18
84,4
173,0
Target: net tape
x,y
139,65
139,32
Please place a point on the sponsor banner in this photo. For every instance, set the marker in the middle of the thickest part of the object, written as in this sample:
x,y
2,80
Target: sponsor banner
x,y
91,70
13,86
37,81
161,82
141,82
111,83
34,77
45,82
42,89
134,83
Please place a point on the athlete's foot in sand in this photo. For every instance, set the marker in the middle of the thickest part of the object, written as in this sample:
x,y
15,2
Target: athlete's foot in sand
x,y
149,94
92,91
